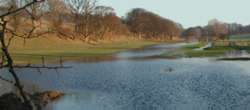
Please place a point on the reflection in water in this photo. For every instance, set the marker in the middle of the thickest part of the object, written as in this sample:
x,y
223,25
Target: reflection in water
x,y
92,59
148,52
237,53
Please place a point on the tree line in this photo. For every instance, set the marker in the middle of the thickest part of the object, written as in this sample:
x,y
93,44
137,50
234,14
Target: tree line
x,y
149,25
215,30
87,21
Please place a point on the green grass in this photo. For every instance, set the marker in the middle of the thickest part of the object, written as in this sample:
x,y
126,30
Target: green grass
x,y
182,51
193,46
189,51
240,37
210,52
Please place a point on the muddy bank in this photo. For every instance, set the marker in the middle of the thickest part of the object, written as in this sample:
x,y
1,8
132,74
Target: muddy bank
x,y
11,101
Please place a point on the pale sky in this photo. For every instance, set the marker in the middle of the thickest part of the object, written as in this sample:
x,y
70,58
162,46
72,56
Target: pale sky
x,y
188,12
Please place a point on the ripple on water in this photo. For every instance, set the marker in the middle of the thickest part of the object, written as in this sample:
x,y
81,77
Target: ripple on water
x,y
193,84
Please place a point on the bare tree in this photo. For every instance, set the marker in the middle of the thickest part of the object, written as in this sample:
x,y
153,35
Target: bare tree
x,y
104,11
60,18
102,18
11,27
193,33
4,17
83,10
150,25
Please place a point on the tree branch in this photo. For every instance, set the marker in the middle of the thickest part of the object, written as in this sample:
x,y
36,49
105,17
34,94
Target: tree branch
x,y
20,9
42,67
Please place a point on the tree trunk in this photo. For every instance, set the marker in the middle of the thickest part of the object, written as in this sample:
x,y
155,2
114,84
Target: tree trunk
x,y
9,60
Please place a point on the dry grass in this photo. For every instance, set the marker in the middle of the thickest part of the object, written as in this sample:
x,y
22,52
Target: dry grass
x,y
53,47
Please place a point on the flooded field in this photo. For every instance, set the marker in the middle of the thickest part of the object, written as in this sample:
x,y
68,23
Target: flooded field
x,y
148,84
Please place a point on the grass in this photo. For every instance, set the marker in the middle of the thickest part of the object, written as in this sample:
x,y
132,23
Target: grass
x,y
192,46
210,52
52,48
189,51
240,37
182,51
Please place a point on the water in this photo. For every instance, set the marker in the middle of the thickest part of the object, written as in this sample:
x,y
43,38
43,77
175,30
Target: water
x,y
149,84
155,50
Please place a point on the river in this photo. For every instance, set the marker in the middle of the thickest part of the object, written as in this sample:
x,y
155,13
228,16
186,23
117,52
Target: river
x,y
137,81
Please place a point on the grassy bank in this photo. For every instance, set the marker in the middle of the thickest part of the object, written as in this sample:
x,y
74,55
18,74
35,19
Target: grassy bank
x,y
240,37
210,52
189,51
51,48
218,50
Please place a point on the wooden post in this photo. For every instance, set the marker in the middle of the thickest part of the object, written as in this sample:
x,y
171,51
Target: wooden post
x,y
61,61
43,61
1,34
2,60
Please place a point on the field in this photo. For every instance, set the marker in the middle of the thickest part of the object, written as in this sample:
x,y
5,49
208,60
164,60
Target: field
x,y
52,48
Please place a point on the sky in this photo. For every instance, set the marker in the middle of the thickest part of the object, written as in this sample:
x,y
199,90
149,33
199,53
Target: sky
x,y
188,12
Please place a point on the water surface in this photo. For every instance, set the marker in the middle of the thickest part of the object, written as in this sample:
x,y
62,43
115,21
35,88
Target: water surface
x,y
149,84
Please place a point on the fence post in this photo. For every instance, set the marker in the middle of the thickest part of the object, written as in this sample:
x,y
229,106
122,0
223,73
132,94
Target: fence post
x,y
43,61
1,61
61,61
